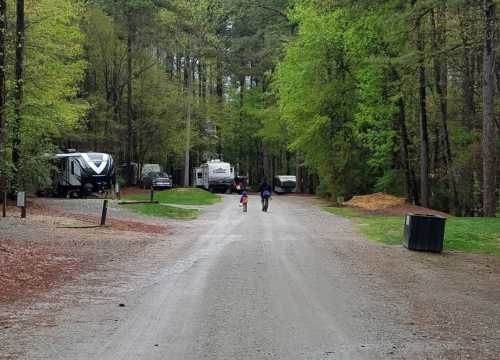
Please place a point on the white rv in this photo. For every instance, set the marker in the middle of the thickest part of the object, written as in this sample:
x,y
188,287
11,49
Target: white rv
x,y
214,175
84,173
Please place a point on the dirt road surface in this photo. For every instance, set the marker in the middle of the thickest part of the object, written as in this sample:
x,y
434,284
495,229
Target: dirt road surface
x,y
294,283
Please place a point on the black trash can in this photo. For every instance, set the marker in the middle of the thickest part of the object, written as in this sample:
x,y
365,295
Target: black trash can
x,y
424,232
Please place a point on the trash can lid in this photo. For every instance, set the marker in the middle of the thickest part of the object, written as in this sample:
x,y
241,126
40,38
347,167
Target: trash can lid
x,y
426,216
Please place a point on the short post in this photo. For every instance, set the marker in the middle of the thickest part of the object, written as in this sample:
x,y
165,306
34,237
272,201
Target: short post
x,y
21,203
152,194
4,204
4,186
117,191
104,212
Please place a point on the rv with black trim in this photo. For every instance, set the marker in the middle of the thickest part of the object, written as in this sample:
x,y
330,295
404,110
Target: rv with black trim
x,y
284,184
84,174
214,175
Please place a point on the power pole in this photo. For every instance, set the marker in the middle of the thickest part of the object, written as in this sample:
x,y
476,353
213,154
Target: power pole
x,y
189,95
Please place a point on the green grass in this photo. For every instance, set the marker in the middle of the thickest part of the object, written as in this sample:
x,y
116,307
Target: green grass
x,y
182,196
473,235
164,211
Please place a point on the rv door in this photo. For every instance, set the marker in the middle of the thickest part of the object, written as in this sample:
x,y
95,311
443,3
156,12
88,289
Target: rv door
x,y
75,173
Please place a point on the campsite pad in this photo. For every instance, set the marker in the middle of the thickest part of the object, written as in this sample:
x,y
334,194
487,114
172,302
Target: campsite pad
x,y
388,205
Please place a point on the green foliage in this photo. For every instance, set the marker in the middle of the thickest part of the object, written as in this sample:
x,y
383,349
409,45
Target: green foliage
x,y
53,68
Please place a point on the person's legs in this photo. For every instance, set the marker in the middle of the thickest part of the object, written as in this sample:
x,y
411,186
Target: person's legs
x,y
263,203
245,207
266,204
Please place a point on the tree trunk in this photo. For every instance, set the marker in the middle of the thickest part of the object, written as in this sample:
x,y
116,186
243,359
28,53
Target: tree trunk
x,y
441,83
3,30
18,92
219,91
411,186
130,130
489,128
424,136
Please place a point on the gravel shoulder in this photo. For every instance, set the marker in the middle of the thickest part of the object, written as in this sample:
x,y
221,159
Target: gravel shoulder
x,y
296,283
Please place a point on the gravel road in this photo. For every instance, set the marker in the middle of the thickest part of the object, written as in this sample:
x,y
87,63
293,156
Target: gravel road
x,y
294,283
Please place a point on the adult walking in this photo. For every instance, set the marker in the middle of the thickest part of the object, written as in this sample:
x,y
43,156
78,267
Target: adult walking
x,y
265,194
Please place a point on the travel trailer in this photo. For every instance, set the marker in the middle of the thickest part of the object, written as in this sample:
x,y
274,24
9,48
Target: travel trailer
x,y
84,174
284,184
214,175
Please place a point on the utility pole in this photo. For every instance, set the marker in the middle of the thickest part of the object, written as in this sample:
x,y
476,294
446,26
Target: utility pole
x,y
189,94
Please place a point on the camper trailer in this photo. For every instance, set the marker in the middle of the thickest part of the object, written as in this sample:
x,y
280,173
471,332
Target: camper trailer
x,y
284,184
197,177
214,175
84,174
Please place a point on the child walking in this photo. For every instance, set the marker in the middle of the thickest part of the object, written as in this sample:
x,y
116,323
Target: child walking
x,y
244,201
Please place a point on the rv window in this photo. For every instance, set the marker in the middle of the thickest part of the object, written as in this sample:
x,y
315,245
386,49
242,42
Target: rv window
x,y
72,168
200,175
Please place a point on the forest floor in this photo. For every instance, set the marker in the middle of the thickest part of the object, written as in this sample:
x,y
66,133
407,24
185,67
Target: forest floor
x,y
295,283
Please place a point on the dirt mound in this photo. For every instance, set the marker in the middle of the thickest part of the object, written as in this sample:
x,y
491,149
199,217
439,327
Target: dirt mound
x,y
388,205
375,201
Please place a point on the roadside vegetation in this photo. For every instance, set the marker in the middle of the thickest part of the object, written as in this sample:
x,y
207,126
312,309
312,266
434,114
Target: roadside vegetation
x,y
472,235
181,196
162,210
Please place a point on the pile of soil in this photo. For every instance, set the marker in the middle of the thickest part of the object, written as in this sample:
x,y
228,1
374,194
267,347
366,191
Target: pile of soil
x,y
375,201
388,205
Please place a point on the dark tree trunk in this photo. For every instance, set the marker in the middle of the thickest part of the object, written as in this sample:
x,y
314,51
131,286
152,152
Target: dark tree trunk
x,y
3,30
411,183
18,92
130,113
219,91
422,107
489,128
441,83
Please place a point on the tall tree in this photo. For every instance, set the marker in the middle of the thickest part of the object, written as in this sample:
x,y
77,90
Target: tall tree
x,y
3,30
422,111
18,90
489,128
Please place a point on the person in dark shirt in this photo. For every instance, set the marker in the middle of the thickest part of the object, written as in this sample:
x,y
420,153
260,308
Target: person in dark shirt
x,y
265,194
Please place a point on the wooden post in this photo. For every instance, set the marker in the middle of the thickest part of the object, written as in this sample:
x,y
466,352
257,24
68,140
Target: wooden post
x,y
117,191
104,212
152,195
21,203
4,204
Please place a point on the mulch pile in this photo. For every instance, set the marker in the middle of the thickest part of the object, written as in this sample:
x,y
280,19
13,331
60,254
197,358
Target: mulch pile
x,y
375,201
388,205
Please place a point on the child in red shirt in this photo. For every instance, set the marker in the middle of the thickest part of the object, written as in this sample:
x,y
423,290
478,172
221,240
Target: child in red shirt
x,y
244,201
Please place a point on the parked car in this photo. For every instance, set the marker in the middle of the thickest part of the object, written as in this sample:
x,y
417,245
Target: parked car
x,y
163,181
157,181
